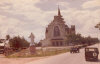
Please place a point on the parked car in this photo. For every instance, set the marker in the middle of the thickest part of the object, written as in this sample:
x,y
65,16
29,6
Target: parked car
x,y
91,54
74,50
1,47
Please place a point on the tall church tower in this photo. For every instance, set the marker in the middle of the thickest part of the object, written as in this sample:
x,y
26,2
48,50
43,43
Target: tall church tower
x,y
56,31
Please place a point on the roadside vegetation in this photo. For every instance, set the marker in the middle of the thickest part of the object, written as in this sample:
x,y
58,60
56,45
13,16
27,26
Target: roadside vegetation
x,y
18,43
77,39
20,46
39,53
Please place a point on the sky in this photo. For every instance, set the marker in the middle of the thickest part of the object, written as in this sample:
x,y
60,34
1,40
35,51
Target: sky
x,y
21,17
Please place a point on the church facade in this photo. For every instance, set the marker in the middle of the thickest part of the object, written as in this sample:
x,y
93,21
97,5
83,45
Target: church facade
x,y
56,31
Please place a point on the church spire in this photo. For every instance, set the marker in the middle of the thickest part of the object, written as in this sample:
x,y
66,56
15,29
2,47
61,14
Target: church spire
x,y
59,14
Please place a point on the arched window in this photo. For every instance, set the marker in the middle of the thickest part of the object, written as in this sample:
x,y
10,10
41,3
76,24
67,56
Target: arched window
x,y
56,31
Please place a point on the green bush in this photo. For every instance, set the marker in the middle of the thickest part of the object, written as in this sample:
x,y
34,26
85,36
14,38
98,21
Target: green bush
x,y
18,42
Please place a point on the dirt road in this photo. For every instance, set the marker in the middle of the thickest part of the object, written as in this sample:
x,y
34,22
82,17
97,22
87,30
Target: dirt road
x,y
4,60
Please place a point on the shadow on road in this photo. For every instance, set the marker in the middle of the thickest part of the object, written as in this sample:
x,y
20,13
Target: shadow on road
x,y
95,61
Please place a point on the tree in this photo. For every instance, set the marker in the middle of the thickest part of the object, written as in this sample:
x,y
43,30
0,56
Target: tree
x,y
76,39
25,43
7,37
18,42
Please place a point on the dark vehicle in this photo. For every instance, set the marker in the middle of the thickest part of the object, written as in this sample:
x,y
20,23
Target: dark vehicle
x,y
91,54
1,47
74,50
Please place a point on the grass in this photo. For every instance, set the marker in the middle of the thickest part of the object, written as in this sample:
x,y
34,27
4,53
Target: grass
x,y
39,53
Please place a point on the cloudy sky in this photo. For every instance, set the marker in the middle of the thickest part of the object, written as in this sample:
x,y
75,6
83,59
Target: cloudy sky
x,y
21,17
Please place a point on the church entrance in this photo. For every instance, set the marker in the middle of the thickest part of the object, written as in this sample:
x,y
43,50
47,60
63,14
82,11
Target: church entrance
x,y
57,43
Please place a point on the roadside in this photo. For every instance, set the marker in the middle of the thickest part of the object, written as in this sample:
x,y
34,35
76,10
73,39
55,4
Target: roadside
x,y
40,52
20,58
5,60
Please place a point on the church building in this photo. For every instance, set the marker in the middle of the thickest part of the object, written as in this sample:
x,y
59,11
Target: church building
x,y
57,31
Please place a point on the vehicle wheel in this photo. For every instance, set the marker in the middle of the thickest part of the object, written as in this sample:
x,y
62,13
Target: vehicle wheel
x,y
96,59
86,59
78,51
3,52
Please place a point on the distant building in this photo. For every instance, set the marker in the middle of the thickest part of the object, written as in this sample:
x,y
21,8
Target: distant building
x,y
2,40
56,32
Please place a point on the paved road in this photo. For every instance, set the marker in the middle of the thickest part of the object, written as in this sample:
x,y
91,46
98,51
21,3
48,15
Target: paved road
x,y
66,58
